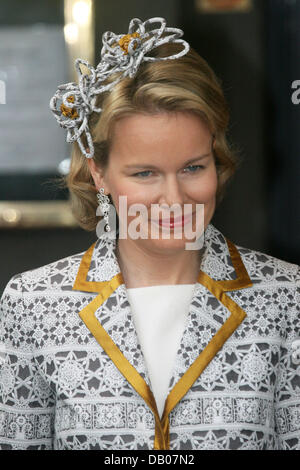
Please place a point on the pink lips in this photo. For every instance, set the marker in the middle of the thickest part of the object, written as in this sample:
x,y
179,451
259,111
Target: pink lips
x,y
175,222
172,220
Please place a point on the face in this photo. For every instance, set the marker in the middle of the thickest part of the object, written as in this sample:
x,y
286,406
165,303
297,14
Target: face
x,y
160,161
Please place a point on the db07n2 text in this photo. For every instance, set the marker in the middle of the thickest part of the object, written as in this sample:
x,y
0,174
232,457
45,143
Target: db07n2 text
x,y
170,459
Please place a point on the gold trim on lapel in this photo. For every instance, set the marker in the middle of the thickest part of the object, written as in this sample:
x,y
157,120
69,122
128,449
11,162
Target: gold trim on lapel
x,y
90,286
242,277
87,314
217,288
112,350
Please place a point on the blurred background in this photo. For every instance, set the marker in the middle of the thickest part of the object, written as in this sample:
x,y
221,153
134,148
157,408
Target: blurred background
x,y
252,45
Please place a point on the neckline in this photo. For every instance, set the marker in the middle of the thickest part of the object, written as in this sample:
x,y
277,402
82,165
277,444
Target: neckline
x,y
161,286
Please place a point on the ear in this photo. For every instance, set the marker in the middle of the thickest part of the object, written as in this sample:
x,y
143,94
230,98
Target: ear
x,y
97,174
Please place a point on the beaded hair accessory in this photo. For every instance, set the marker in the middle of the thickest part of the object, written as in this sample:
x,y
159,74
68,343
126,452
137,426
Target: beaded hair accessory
x,y
120,53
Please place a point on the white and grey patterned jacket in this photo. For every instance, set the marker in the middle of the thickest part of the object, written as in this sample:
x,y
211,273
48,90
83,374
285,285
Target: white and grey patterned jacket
x,y
73,376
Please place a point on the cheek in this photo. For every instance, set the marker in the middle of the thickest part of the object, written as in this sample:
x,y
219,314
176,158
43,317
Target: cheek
x,y
135,194
205,188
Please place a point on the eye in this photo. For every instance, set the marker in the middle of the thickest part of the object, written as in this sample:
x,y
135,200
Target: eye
x,y
146,173
195,168
141,174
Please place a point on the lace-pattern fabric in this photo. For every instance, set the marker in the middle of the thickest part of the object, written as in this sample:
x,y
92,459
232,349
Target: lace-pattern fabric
x,y
60,390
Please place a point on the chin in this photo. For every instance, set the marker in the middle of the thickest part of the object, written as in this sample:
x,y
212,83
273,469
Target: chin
x,y
165,246
171,245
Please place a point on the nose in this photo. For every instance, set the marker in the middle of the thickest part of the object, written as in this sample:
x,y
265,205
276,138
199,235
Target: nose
x,y
172,191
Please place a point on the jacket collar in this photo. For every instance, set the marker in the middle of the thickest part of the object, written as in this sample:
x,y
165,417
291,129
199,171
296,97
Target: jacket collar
x,y
219,261
213,317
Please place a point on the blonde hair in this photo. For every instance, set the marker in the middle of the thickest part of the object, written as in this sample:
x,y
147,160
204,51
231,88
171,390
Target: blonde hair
x,y
187,84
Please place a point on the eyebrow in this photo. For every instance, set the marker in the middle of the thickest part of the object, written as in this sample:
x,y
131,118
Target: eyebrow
x,y
153,167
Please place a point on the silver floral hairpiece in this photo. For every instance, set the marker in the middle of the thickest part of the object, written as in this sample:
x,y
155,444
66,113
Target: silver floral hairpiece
x,y
120,53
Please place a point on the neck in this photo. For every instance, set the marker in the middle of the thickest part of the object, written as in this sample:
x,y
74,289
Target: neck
x,y
142,268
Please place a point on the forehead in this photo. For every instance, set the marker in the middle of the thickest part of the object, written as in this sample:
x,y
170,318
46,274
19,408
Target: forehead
x,y
158,135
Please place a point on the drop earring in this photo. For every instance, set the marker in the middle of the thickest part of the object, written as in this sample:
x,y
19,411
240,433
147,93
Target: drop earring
x,y
104,204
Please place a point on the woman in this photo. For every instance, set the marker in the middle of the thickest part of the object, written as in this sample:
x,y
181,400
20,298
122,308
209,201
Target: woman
x,y
141,342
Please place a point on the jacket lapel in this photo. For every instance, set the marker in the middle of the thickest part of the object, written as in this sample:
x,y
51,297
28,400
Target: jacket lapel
x,y
213,315
108,316
221,270
212,318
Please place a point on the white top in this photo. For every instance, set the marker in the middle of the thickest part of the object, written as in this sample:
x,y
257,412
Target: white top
x,y
159,314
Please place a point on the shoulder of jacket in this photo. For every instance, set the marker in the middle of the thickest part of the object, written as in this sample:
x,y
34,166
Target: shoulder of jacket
x,y
57,275
263,267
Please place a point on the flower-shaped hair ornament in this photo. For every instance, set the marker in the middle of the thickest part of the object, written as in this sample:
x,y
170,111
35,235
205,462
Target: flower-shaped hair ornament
x,y
296,351
72,104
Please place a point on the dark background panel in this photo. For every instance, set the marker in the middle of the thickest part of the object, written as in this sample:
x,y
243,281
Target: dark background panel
x,y
233,45
283,136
